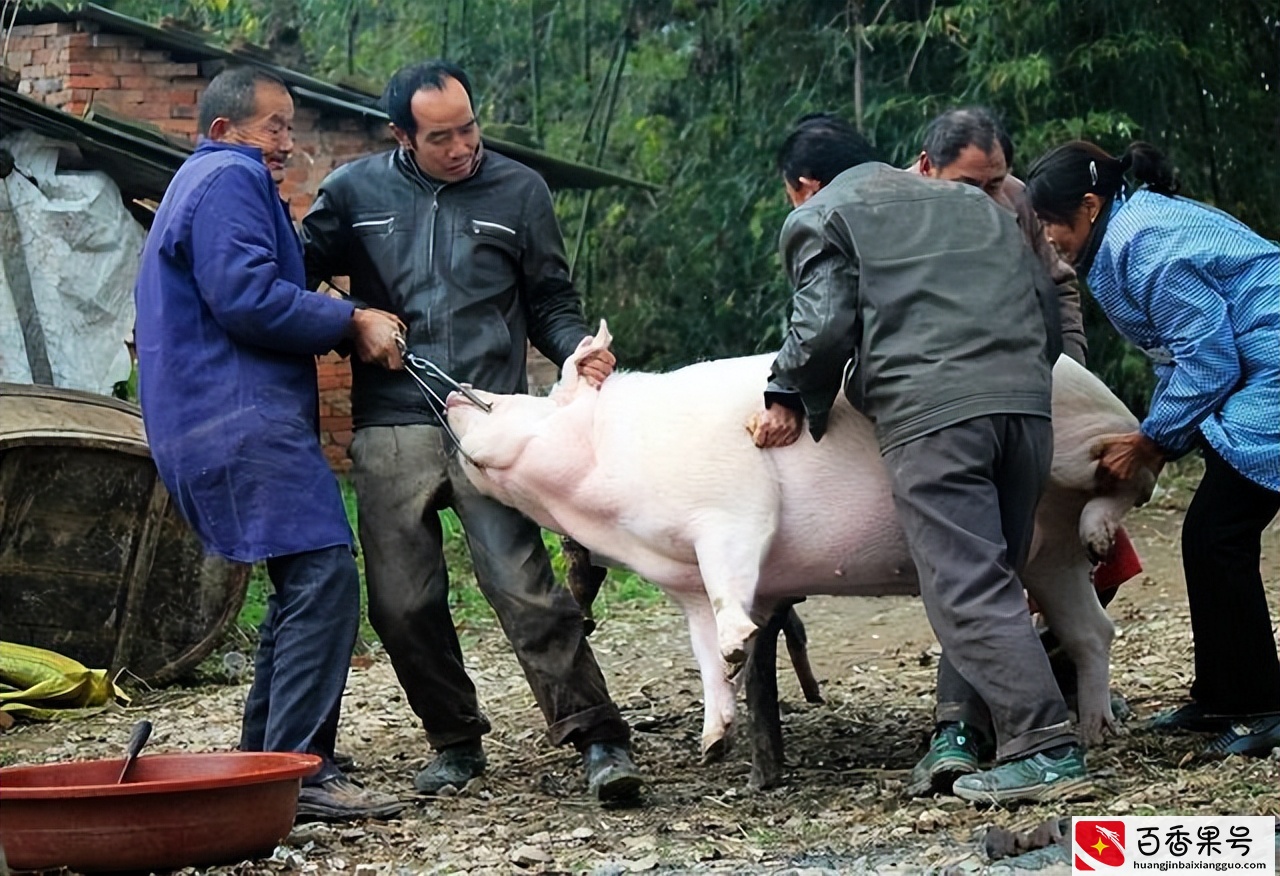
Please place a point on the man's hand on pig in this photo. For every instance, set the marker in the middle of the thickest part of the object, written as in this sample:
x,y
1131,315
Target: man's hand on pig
x,y
596,365
376,335
775,426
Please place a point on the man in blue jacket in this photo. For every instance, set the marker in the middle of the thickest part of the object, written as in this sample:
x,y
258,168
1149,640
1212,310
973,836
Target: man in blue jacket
x,y
227,336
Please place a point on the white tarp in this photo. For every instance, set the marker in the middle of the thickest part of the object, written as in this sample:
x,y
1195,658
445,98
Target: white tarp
x,y
71,236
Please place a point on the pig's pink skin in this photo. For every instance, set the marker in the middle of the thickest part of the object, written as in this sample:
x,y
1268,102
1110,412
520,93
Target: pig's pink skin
x,y
657,473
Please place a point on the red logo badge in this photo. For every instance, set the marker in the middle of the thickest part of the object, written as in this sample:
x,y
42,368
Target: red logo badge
x,y
1100,842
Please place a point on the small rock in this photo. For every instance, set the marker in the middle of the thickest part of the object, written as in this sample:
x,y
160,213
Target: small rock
x,y
582,833
648,862
529,856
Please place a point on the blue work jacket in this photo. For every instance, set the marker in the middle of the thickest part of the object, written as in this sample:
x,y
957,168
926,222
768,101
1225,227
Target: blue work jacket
x,y
1199,292
227,336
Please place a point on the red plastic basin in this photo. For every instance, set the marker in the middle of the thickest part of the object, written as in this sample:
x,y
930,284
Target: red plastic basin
x,y
174,810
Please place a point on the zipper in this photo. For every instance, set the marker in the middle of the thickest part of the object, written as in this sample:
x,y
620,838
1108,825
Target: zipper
x,y
431,230
484,224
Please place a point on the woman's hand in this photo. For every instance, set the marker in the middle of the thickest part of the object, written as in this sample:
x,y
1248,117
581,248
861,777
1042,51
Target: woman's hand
x,y
1119,459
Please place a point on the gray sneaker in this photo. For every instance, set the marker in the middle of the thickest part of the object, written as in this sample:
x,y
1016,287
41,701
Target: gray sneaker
x,y
1036,778
611,775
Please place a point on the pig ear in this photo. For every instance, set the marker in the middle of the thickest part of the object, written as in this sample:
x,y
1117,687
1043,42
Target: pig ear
x,y
571,383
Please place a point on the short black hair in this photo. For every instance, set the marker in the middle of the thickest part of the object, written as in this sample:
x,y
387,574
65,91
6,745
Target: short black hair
x,y
232,95
412,78
821,147
949,134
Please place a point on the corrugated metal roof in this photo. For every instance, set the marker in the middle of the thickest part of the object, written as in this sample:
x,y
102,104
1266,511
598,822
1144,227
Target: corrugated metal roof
x,y
140,165
558,172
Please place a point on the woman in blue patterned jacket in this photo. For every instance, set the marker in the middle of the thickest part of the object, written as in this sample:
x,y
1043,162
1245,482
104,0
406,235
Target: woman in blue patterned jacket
x,y
1199,293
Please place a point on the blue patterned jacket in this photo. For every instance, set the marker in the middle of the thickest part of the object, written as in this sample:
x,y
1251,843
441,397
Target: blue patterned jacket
x,y
1199,292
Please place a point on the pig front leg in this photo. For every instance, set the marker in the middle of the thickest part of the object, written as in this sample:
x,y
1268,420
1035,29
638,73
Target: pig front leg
x,y
718,698
1058,580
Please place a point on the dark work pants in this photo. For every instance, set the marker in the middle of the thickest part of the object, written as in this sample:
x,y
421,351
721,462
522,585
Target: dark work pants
x,y
403,477
1237,671
966,498
304,652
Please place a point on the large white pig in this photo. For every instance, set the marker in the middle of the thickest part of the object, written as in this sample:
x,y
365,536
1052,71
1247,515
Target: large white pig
x,y
657,473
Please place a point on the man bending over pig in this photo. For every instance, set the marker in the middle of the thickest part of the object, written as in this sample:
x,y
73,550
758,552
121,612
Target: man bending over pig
x,y
896,282
461,244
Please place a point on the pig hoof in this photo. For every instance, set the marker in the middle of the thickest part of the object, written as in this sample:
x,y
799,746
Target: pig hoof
x,y
715,750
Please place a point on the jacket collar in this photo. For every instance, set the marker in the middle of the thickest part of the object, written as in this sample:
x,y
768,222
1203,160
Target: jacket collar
x,y
402,160
206,145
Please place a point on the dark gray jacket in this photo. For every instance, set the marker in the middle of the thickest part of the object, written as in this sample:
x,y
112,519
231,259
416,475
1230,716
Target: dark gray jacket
x,y
474,268
928,292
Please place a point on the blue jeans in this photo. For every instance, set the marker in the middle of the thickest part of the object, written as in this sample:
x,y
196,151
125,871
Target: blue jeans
x,y
304,652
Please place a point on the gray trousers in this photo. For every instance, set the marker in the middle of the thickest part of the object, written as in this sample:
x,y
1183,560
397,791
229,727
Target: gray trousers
x,y
404,476
966,498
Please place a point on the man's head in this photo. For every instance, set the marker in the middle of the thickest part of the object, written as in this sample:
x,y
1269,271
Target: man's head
x,y
821,147
969,146
432,118
246,106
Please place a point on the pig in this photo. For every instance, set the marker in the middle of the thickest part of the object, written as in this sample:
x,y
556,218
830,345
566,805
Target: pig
x,y
658,473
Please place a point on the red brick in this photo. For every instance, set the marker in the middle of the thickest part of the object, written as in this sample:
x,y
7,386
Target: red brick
x,y
179,126
81,68
141,83
183,111
77,40
342,438
74,107
175,69
126,68
18,60
123,97
53,28
94,81
130,53
25,43
105,54
150,110
115,39
154,55
44,56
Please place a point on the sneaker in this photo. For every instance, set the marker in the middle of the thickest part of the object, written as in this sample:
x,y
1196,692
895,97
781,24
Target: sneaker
x,y
611,775
341,799
1191,718
1036,778
953,752
453,765
1254,737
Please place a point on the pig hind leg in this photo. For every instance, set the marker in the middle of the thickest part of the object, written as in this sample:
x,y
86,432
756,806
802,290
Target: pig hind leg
x,y
718,696
1059,583
730,567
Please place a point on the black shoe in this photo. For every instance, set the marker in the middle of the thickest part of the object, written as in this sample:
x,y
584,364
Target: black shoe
x,y
345,762
1252,737
340,799
453,765
611,775
1191,718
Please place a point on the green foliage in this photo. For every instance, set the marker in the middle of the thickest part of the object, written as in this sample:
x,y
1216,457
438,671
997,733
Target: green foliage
x,y
709,88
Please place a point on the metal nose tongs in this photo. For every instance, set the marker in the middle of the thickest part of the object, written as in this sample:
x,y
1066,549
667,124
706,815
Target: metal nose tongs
x,y
432,369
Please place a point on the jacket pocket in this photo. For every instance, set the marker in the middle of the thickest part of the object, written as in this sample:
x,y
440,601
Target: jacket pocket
x,y
485,258
373,224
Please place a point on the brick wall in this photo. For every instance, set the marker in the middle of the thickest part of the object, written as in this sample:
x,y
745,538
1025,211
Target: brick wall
x,y
73,65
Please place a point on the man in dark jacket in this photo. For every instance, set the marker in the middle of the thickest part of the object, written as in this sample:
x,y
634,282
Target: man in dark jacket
x,y
227,336
463,245
896,279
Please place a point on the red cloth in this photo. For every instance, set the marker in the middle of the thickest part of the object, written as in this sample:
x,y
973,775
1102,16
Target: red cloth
x,y
1122,565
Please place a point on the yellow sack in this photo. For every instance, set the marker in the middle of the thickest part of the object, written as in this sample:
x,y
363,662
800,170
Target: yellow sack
x,y
42,685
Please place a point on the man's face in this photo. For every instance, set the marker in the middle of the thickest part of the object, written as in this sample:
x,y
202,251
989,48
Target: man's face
x,y
270,128
985,170
446,145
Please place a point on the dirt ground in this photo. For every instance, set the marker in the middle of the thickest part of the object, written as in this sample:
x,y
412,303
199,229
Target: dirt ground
x,y
841,809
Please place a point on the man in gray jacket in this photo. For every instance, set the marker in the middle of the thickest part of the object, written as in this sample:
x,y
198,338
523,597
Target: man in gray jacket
x,y
897,278
463,246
